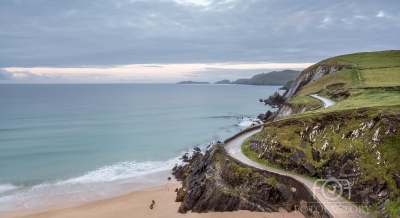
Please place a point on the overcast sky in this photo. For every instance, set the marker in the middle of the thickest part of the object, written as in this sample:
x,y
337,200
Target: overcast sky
x,y
173,40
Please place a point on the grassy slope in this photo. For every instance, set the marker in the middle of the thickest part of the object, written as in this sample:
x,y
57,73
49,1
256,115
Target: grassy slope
x,y
367,59
372,84
371,70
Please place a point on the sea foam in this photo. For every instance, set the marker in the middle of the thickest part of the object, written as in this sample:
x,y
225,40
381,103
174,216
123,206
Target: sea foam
x,y
7,187
247,121
98,184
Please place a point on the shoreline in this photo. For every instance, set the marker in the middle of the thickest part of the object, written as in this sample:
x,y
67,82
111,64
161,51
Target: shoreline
x,y
135,204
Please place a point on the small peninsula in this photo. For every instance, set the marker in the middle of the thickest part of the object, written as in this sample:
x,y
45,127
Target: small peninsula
x,y
271,78
192,82
225,81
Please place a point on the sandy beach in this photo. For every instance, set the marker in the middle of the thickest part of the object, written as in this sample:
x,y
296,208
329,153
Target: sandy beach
x,y
135,204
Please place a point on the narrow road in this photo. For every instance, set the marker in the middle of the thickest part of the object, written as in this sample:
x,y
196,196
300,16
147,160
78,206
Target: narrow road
x,y
337,206
327,102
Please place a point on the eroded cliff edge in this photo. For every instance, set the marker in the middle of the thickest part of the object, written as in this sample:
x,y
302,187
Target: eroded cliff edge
x,y
217,182
356,140
360,146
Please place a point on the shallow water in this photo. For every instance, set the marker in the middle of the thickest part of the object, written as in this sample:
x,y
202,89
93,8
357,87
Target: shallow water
x,y
74,140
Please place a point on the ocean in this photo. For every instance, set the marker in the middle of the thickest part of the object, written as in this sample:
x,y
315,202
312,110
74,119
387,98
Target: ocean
x,y
84,142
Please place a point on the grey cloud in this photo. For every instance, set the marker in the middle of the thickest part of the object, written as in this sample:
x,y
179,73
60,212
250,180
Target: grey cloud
x,y
17,76
114,32
5,75
28,77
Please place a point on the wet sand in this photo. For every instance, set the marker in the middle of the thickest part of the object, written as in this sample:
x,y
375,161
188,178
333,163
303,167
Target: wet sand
x,y
135,204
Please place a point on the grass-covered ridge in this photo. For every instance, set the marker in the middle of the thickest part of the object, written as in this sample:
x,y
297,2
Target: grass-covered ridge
x,y
358,135
372,79
365,60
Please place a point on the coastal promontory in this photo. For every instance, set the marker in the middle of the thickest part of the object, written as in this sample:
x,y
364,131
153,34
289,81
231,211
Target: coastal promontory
x,y
225,81
192,82
354,143
271,78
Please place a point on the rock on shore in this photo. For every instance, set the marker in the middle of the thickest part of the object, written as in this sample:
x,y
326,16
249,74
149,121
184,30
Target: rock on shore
x,y
216,182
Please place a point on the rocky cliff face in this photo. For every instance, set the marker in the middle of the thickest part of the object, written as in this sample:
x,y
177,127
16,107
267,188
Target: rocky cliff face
x,y
216,182
308,75
358,146
311,74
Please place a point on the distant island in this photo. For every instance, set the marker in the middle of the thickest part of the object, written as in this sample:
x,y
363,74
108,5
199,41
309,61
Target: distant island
x,y
225,81
192,82
272,78
283,78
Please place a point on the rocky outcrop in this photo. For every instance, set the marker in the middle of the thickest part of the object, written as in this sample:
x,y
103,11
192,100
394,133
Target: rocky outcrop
x,y
216,182
345,145
268,116
287,85
311,74
287,110
274,100
308,75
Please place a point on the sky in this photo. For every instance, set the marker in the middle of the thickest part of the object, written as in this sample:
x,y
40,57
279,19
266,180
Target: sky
x,y
167,41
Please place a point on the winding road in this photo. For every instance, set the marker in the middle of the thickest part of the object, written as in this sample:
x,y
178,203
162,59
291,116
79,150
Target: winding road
x,y
337,206
327,102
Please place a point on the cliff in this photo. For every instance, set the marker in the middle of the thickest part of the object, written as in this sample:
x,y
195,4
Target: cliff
x,y
359,146
287,85
354,140
216,182
307,76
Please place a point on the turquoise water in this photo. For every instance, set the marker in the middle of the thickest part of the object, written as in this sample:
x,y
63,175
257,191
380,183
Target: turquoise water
x,y
73,140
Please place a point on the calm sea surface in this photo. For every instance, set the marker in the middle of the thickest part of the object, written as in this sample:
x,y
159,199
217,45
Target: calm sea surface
x,y
81,142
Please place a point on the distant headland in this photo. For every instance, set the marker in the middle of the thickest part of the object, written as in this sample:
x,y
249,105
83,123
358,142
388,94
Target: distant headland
x,y
225,81
192,82
266,79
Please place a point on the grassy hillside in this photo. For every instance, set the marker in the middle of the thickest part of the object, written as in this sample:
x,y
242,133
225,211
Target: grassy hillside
x,y
372,80
364,60
359,135
272,78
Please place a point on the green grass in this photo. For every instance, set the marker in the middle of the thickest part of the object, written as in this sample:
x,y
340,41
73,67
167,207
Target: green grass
x,y
372,84
367,84
306,102
393,208
286,132
302,99
367,59
368,98
272,181
254,156
383,77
